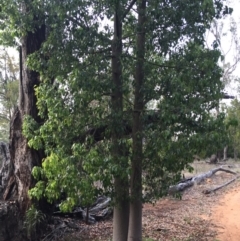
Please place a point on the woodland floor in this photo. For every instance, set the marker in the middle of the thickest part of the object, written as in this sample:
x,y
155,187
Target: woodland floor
x,y
196,217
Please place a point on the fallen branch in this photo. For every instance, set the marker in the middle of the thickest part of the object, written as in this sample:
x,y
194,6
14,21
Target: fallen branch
x,y
181,186
208,191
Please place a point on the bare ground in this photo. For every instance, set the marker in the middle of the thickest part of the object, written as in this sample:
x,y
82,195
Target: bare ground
x,y
226,216
196,217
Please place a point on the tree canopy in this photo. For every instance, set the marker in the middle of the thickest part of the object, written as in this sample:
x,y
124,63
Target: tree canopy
x,y
232,124
101,66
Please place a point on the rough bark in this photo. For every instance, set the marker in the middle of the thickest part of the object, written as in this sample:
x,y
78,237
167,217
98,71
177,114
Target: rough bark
x,y
10,221
135,218
121,214
23,158
5,166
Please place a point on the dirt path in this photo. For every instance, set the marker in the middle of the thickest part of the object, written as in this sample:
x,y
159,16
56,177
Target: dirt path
x,y
226,216
196,216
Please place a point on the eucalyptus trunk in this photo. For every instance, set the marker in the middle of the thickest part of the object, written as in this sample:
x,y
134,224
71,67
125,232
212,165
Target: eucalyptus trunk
x,y
235,153
121,209
225,150
23,158
135,218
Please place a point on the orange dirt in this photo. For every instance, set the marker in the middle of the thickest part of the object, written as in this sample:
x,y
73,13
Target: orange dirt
x,y
226,216
195,217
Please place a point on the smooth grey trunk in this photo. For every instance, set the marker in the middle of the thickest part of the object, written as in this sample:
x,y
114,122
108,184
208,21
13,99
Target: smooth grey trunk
x,y
235,153
120,213
135,218
121,209
225,153
120,220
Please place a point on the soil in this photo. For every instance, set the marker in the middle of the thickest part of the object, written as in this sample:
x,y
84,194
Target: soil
x,y
194,217
226,215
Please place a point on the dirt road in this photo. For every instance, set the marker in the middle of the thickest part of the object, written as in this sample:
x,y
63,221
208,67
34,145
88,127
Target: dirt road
x,y
196,217
226,215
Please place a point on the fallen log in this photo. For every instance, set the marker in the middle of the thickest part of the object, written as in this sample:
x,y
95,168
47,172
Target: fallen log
x,y
100,210
181,186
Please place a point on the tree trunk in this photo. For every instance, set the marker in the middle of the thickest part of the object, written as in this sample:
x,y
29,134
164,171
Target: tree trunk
x,y
5,166
121,209
23,158
213,159
225,153
135,218
235,154
120,212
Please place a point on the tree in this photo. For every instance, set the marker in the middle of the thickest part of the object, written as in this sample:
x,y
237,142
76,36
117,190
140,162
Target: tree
x,y
232,123
92,131
89,96
223,30
220,33
8,93
23,158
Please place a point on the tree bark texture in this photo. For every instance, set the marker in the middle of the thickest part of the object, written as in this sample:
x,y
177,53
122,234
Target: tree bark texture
x,y
23,158
10,221
135,219
5,166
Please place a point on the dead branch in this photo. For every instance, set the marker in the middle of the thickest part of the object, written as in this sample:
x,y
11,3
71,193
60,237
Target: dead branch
x,y
221,186
181,186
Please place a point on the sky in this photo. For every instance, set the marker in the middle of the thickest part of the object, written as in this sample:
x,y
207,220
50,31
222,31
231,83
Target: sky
x,y
228,51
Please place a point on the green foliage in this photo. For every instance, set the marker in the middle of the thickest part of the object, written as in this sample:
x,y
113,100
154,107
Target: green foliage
x,y
233,127
75,98
33,221
30,130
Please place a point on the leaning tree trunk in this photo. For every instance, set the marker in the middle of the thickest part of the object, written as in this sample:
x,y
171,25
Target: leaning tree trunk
x,y
23,158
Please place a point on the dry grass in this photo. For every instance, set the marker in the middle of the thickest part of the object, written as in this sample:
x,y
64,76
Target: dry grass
x,y
202,166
